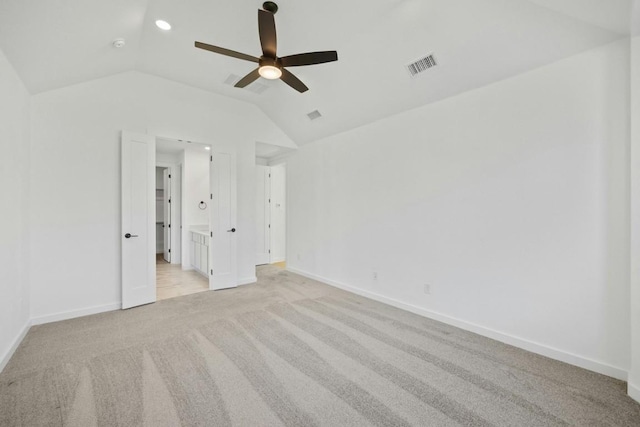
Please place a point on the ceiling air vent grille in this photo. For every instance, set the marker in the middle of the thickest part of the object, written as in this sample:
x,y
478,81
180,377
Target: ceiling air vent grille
x,y
255,87
232,79
314,115
421,65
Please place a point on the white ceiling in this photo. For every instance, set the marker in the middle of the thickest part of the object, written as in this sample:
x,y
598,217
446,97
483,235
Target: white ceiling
x,y
269,151
173,146
476,42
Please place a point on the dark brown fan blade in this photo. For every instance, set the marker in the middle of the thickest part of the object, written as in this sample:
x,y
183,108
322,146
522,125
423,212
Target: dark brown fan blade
x,y
293,81
249,78
310,58
226,52
267,30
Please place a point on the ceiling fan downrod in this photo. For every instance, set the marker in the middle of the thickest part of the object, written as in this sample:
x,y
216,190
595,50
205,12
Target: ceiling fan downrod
x,y
270,6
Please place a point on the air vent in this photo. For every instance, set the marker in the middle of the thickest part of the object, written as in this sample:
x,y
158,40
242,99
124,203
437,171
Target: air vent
x,y
255,87
232,80
421,65
314,115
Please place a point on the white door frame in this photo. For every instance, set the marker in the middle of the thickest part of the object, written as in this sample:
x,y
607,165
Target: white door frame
x,y
167,239
176,212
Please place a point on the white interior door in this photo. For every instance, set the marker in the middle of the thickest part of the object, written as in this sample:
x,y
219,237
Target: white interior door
x,y
278,213
262,215
166,206
222,246
138,219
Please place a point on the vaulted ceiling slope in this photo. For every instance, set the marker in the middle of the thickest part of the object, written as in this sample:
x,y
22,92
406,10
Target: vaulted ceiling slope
x,y
475,42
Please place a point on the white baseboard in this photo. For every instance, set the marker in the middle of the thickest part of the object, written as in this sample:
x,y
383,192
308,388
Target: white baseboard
x,y
65,315
534,347
633,391
273,261
14,345
247,280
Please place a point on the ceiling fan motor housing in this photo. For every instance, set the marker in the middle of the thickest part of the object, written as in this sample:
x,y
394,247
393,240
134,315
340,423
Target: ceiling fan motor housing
x,y
274,62
270,6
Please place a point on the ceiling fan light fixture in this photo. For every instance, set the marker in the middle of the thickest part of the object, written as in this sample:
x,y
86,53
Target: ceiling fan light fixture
x,y
163,25
270,72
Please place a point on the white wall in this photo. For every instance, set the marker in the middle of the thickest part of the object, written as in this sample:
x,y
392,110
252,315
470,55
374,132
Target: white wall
x,y
246,196
196,175
196,189
510,201
75,174
634,375
14,243
159,178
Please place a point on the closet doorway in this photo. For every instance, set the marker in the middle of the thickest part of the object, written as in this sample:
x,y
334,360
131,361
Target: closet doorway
x,y
271,215
163,213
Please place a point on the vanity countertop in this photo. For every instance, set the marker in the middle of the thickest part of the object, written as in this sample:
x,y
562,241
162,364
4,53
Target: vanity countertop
x,y
200,229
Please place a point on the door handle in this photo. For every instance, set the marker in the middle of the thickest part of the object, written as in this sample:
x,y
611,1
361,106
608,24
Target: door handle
x,y
233,230
129,235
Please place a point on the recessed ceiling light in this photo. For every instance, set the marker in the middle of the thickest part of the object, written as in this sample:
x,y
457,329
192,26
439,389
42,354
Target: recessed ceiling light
x,y
163,25
207,148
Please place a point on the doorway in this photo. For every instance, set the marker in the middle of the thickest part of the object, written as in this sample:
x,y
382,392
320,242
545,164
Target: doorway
x,y
176,276
271,215
195,207
163,213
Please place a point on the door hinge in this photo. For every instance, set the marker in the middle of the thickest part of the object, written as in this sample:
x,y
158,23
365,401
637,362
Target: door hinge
x,y
169,250
269,226
269,175
211,234
269,250
211,196
169,176
169,200
211,160
269,200
169,225
212,272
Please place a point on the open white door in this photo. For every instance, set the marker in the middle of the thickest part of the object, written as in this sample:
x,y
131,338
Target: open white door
x,y
222,254
263,215
138,219
278,213
166,206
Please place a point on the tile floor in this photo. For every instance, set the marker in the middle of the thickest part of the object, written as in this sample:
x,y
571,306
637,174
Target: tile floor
x,y
172,281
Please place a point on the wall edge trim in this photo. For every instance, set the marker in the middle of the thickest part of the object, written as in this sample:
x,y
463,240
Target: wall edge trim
x,y
524,344
247,281
633,391
14,345
72,314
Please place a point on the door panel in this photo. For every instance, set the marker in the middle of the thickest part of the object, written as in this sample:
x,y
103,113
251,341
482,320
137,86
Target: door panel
x,y
262,214
278,213
166,206
223,244
138,219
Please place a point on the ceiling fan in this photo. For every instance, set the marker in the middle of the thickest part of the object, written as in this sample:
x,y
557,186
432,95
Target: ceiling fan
x,y
269,65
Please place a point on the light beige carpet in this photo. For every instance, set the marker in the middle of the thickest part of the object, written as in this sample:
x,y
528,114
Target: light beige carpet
x,y
290,351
